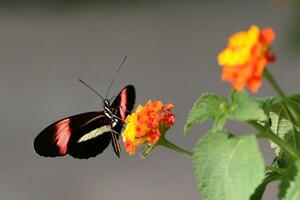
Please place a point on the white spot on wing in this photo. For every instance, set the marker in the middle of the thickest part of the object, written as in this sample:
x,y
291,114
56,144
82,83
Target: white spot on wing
x,y
95,133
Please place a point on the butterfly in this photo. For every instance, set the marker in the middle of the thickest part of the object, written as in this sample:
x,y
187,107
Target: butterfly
x,y
88,134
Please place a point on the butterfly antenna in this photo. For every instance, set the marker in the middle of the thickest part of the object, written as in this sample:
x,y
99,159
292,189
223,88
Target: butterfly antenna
x,y
81,81
112,81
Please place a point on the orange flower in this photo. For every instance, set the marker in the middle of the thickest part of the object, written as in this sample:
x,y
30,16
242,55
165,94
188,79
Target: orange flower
x,y
246,56
145,124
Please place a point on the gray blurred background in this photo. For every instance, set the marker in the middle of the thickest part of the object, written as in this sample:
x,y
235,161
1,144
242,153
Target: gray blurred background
x,y
45,46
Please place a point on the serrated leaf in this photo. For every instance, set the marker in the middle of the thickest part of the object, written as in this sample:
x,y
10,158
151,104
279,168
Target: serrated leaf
x,y
281,125
208,106
244,108
228,167
290,184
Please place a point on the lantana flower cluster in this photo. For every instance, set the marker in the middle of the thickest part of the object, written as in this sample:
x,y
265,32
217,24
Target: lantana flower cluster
x,y
244,59
145,124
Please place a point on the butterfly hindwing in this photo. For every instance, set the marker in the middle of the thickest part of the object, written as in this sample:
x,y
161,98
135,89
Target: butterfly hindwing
x,y
91,139
53,140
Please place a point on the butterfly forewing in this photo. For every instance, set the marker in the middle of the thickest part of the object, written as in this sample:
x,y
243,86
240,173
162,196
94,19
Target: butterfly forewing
x,y
122,106
124,102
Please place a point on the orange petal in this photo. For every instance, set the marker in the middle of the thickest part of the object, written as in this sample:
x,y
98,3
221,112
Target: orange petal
x,y
267,36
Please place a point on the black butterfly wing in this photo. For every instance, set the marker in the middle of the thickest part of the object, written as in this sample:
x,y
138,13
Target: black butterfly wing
x,y
60,138
121,107
92,138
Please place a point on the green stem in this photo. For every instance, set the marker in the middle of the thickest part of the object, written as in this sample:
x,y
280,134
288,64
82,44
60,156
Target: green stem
x,y
166,143
267,133
275,169
268,76
284,146
286,105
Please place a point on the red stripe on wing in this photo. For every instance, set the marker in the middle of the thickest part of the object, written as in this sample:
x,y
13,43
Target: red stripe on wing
x,y
123,104
62,135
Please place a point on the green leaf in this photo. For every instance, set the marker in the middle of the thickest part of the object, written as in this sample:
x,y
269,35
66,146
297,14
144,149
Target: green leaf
x,y
258,194
290,184
228,167
244,108
219,123
282,125
208,106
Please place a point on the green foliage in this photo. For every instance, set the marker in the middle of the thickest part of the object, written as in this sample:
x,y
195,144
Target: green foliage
x,y
244,108
227,167
211,106
289,187
208,106
282,125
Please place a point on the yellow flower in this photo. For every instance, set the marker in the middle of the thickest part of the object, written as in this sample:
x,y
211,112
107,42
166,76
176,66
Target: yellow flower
x,y
145,123
244,59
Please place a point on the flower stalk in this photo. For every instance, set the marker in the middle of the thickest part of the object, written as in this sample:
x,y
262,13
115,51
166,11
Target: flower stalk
x,y
275,169
167,144
294,153
268,76
286,105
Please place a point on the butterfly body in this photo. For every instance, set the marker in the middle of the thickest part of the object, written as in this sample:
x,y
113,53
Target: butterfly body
x,y
88,134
